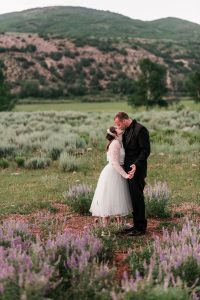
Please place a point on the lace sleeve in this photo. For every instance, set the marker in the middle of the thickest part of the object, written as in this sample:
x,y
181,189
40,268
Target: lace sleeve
x,y
115,158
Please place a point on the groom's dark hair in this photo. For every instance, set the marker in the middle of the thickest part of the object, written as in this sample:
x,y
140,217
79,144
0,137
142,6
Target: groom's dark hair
x,y
121,116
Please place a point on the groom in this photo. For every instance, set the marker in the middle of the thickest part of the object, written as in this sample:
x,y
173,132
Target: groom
x,y
137,149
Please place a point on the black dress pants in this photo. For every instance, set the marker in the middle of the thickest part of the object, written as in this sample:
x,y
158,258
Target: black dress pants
x,y
136,187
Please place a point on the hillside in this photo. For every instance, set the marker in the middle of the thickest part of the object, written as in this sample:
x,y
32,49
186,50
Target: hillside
x,y
57,62
70,60
79,22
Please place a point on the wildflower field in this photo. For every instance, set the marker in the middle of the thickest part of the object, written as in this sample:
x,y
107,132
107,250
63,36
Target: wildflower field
x,y
50,248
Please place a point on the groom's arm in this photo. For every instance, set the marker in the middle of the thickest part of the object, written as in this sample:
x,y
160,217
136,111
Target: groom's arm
x,y
144,145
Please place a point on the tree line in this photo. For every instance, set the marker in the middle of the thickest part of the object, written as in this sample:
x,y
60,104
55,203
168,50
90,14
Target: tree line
x,y
149,89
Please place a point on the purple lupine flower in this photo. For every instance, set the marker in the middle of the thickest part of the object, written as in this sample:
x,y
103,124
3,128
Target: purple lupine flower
x,y
78,190
35,264
169,253
159,191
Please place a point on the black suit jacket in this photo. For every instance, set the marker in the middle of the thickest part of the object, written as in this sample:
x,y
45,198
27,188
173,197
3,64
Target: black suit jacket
x,y
137,148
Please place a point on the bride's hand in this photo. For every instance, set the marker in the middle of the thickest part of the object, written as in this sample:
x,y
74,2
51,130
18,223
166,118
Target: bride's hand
x,y
130,176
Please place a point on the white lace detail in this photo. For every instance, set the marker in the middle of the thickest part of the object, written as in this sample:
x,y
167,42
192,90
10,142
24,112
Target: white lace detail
x,y
115,156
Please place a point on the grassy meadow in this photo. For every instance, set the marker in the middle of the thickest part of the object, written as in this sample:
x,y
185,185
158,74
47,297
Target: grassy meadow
x,y
36,130
96,106
48,149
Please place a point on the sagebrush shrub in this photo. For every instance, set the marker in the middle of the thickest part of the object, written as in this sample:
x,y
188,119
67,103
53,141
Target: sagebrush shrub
x,y
37,163
20,161
54,153
7,150
4,163
79,198
68,162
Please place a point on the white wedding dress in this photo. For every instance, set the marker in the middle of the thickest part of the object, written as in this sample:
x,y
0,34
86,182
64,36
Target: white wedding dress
x,y
112,196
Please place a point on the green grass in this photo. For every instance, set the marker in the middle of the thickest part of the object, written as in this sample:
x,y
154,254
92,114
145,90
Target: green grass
x,y
77,106
24,191
191,104
27,191
96,106
182,177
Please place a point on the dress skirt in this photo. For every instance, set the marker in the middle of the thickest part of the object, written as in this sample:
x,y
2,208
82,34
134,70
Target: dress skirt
x,y
112,196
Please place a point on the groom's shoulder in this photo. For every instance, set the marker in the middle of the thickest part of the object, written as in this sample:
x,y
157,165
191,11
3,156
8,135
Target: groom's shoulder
x,y
139,128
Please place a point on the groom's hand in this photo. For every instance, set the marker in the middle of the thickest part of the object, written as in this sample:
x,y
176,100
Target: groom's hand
x,y
133,169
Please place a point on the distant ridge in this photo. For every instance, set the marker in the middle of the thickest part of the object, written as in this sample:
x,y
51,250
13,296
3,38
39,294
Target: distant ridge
x,y
82,22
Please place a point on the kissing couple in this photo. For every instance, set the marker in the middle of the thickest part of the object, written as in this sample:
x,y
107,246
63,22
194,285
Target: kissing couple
x,y
120,187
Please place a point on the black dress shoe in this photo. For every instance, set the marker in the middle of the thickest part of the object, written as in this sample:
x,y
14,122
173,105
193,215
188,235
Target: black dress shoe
x,y
128,229
136,232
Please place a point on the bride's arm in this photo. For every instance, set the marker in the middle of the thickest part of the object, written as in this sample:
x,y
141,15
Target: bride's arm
x,y
114,149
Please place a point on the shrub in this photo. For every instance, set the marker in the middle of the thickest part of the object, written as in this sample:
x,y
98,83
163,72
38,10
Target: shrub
x,y
86,61
69,53
108,238
157,197
54,72
136,260
77,89
39,77
123,51
4,163
31,48
69,74
60,66
51,92
55,153
7,150
29,88
79,198
158,293
56,55
37,163
2,49
44,64
189,271
20,161
68,162
27,64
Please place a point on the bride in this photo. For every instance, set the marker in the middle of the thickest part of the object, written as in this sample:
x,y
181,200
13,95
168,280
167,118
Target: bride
x,y
112,196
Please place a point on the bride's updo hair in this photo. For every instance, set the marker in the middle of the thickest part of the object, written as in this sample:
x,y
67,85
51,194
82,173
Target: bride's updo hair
x,y
111,135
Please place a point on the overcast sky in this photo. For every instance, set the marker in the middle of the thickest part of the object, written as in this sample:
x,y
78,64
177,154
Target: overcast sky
x,y
136,9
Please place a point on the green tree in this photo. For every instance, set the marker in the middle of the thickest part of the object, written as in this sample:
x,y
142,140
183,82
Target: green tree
x,y
29,88
95,85
121,84
150,86
6,100
69,74
193,85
